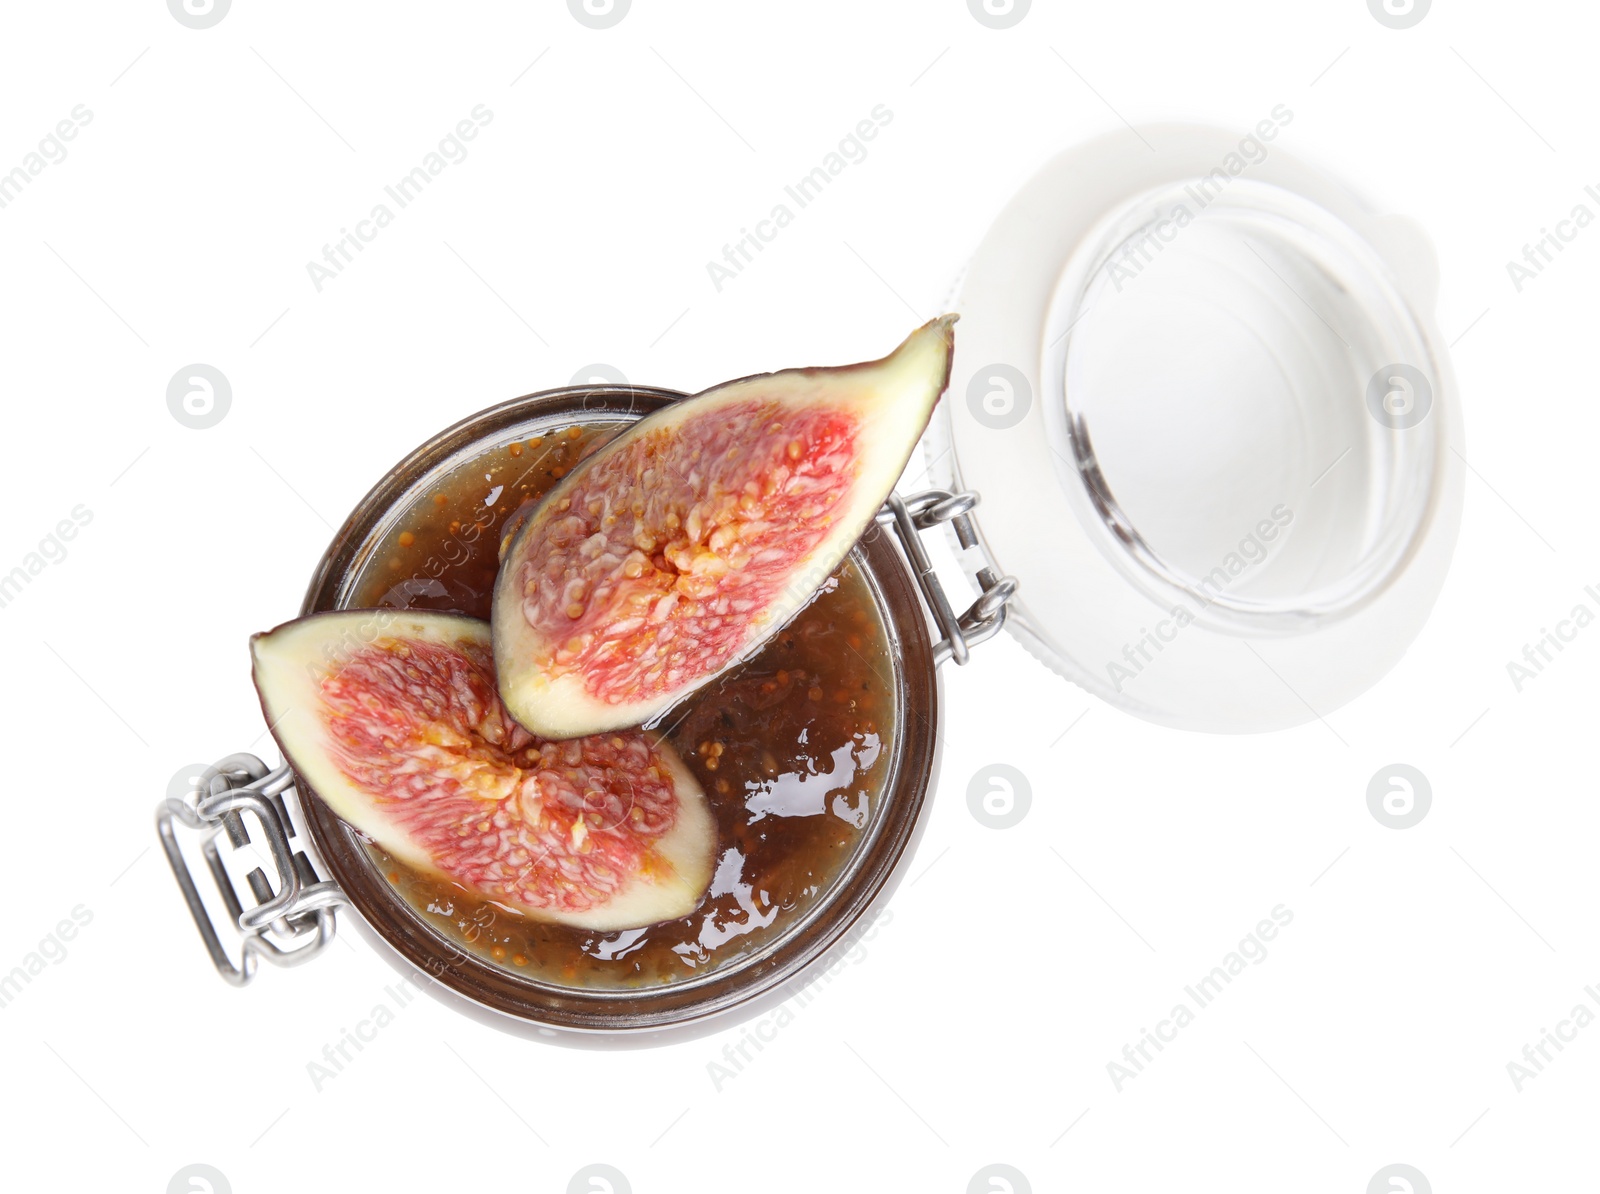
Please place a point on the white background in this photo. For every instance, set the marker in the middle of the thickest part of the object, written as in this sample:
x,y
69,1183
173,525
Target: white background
x,y
979,1025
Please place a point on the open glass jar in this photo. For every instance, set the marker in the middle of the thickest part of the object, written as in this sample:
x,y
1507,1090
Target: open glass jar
x,y
1218,440
883,612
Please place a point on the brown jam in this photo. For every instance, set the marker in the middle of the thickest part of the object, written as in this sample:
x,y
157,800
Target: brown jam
x,y
790,746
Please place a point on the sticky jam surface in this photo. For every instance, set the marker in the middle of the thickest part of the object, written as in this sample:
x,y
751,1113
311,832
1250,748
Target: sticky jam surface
x,y
655,561
792,747
551,826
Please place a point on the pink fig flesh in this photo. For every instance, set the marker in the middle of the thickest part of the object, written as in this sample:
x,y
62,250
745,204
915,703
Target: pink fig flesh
x,y
393,719
690,539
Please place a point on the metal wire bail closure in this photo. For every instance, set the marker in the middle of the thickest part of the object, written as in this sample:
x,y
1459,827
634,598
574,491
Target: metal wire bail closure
x,y
287,925
985,616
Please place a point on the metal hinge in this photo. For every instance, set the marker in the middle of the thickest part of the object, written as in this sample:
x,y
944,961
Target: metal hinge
x,y
985,616
287,924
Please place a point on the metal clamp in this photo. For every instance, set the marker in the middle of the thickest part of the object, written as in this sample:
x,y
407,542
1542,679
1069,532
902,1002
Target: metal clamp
x,y
287,924
985,616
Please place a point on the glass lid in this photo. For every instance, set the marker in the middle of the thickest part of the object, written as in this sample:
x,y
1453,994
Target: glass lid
x,y
1216,437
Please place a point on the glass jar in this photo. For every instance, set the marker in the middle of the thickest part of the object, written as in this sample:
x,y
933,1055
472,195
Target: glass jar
x,y
1218,441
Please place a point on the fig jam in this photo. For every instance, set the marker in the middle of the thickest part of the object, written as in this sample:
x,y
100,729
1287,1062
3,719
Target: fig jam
x,y
791,747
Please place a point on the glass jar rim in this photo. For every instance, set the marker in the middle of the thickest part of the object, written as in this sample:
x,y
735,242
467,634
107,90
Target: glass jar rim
x,y
652,1011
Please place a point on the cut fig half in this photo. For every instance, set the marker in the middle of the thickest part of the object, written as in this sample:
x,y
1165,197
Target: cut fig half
x,y
393,720
695,535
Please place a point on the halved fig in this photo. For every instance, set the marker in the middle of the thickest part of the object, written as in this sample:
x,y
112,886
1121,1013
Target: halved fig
x,y
692,537
392,718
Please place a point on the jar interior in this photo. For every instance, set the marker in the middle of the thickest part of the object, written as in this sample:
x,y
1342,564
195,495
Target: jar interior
x,y
1215,355
795,747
